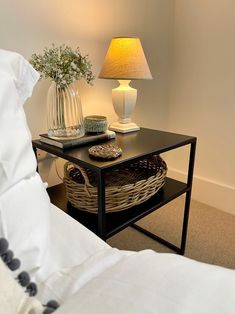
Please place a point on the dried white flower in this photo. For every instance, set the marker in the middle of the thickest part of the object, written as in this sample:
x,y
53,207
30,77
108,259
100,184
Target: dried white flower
x,y
63,65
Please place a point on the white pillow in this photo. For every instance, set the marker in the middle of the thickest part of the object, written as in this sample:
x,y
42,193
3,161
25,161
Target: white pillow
x,y
25,221
17,79
24,203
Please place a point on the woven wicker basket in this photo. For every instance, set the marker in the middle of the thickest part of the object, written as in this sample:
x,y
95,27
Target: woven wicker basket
x,y
124,187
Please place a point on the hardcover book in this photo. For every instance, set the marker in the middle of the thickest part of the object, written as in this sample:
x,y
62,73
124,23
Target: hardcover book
x,y
70,143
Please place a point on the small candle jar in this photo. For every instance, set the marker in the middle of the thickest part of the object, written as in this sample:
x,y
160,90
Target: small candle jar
x,y
95,124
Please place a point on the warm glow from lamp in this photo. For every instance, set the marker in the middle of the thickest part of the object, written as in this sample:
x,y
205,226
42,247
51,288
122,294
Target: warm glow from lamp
x,y
125,61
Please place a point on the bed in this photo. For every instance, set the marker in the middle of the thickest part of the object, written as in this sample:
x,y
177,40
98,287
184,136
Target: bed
x,y
69,263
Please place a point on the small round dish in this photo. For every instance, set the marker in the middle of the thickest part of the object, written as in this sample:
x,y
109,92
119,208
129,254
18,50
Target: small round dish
x,y
105,151
95,124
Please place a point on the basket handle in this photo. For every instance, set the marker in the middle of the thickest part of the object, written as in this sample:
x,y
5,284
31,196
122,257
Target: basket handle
x,y
83,173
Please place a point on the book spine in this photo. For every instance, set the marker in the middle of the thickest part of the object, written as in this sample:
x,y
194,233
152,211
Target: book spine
x,y
88,140
51,142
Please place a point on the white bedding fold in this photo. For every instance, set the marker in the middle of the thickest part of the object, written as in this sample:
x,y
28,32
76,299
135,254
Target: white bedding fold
x,y
64,283
147,282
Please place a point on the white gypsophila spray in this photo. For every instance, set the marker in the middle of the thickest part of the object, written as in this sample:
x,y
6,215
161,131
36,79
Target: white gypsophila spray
x,y
63,65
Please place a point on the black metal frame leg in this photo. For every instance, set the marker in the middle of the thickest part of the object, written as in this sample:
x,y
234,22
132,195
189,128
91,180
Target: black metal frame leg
x,y
180,250
101,206
157,238
188,197
36,155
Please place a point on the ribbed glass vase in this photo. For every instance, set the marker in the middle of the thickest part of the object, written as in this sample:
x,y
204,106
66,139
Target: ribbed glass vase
x,y
64,112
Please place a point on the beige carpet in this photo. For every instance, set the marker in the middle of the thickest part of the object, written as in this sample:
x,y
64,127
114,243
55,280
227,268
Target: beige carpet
x,y
211,233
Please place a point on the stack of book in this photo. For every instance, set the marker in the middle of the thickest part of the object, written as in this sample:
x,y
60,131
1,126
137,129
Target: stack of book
x,y
86,139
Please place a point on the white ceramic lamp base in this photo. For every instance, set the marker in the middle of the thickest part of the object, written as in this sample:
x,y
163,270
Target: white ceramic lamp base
x,y
124,100
124,127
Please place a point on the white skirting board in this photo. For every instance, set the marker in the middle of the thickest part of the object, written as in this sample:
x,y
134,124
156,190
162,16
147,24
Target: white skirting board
x,y
208,192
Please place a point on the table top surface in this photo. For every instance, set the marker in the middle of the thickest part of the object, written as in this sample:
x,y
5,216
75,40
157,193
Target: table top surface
x,y
134,145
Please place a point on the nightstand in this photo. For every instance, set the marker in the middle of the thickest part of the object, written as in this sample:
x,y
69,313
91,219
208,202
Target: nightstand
x,y
135,146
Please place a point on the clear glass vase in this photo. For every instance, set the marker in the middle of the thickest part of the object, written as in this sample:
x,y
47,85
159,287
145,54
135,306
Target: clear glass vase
x,y
64,112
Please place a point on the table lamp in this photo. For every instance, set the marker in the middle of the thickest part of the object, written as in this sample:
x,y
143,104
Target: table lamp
x,y
125,61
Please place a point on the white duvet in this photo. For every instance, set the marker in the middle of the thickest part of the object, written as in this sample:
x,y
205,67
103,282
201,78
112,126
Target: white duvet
x,y
113,281
147,282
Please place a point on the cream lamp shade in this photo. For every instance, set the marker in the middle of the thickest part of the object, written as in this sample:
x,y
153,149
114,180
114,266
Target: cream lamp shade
x,y
125,61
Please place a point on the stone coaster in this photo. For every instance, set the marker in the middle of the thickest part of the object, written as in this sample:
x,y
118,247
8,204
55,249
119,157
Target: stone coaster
x,y
105,151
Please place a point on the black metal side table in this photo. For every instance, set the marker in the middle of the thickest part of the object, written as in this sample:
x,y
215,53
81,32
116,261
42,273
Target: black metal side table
x,y
135,146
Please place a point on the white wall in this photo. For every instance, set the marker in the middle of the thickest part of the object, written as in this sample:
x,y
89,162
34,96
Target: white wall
x,y
153,96
28,26
202,101
31,25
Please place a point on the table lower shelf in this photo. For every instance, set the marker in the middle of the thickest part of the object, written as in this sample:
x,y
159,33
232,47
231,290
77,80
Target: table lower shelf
x,y
117,221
